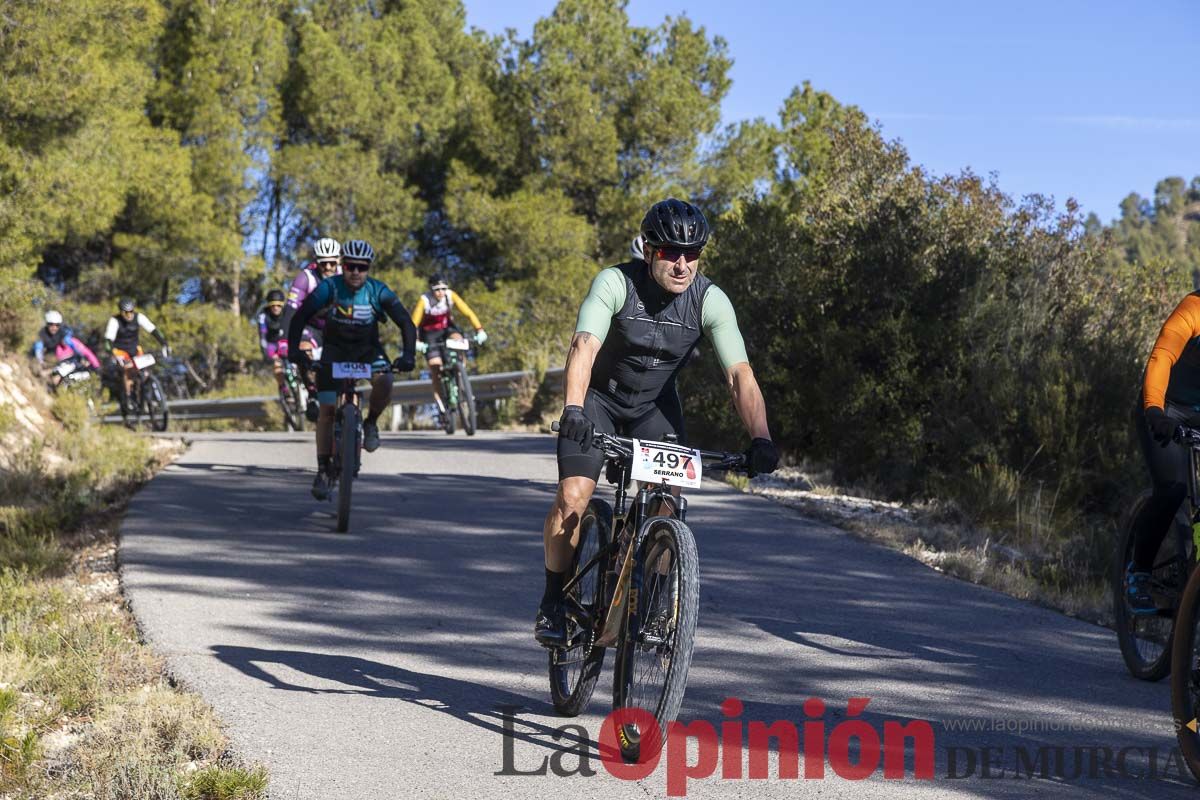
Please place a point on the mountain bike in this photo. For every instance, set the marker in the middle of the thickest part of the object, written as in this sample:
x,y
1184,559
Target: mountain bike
x,y
293,397
74,374
455,389
634,586
347,437
1184,650
146,397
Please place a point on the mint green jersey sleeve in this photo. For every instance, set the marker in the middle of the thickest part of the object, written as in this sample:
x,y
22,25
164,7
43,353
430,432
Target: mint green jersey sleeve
x,y
719,323
603,301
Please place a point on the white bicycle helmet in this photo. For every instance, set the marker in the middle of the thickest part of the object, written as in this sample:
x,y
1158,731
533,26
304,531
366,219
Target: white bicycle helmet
x,y
358,250
53,318
325,248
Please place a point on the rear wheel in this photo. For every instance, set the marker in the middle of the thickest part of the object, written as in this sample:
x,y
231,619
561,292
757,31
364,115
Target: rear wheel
x,y
348,455
466,401
1145,640
575,668
652,664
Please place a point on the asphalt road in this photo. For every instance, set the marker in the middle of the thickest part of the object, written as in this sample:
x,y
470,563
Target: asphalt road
x,y
380,663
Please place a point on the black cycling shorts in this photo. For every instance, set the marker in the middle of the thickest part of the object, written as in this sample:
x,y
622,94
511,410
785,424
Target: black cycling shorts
x,y
436,340
651,421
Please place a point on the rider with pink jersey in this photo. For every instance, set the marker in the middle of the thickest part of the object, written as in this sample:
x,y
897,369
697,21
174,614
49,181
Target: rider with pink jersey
x,y
327,260
57,339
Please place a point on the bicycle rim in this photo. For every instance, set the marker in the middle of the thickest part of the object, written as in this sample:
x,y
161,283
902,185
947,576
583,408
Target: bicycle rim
x,y
575,668
653,664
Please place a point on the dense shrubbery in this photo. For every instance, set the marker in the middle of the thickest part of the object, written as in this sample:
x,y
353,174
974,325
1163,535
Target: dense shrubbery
x,y
927,338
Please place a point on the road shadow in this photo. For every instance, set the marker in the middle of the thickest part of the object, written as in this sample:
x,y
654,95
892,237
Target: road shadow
x,y
482,706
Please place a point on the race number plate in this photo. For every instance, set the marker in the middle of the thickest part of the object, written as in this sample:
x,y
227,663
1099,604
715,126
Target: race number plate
x,y
659,462
143,361
458,344
65,368
348,369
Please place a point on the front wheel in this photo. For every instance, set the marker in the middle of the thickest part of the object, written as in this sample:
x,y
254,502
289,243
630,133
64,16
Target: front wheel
x,y
348,455
155,403
466,401
1185,674
448,403
655,650
574,669
1145,640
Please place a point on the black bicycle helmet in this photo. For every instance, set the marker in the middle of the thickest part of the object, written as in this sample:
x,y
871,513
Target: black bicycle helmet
x,y
126,304
275,296
674,223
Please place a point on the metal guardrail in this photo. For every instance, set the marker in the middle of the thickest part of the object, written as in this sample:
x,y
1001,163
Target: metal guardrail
x,y
492,386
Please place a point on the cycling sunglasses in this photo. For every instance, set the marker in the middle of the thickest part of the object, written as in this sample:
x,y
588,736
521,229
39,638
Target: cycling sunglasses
x,y
354,266
673,253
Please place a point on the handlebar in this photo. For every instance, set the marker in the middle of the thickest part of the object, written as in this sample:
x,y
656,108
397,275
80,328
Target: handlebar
x,y
1187,435
622,447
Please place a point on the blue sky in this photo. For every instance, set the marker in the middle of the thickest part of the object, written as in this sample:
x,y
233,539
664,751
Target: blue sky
x,y
1071,99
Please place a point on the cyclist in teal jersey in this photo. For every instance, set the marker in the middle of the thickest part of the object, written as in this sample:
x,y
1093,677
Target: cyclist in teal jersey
x,y
355,305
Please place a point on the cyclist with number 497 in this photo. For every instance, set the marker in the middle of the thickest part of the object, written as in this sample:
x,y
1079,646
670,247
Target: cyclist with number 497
x,y
355,304
637,327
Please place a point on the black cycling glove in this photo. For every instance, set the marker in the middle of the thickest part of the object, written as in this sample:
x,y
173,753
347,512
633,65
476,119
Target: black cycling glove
x,y
297,356
575,425
761,458
1162,427
404,363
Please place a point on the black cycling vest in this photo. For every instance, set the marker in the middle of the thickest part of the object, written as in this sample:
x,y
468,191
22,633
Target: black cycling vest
x,y
650,338
275,329
127,334
51,343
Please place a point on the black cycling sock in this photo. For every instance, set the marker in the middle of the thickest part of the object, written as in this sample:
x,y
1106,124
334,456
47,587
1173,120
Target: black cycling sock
x,y
323,463
554,587
371,418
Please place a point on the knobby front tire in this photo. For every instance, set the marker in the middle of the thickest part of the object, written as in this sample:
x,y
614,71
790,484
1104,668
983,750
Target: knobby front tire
x,y
654,677
575,669
1185,676
156,404
466,401
348,451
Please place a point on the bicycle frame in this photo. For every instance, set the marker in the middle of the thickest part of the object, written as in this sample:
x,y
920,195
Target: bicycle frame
x,y
1191,439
